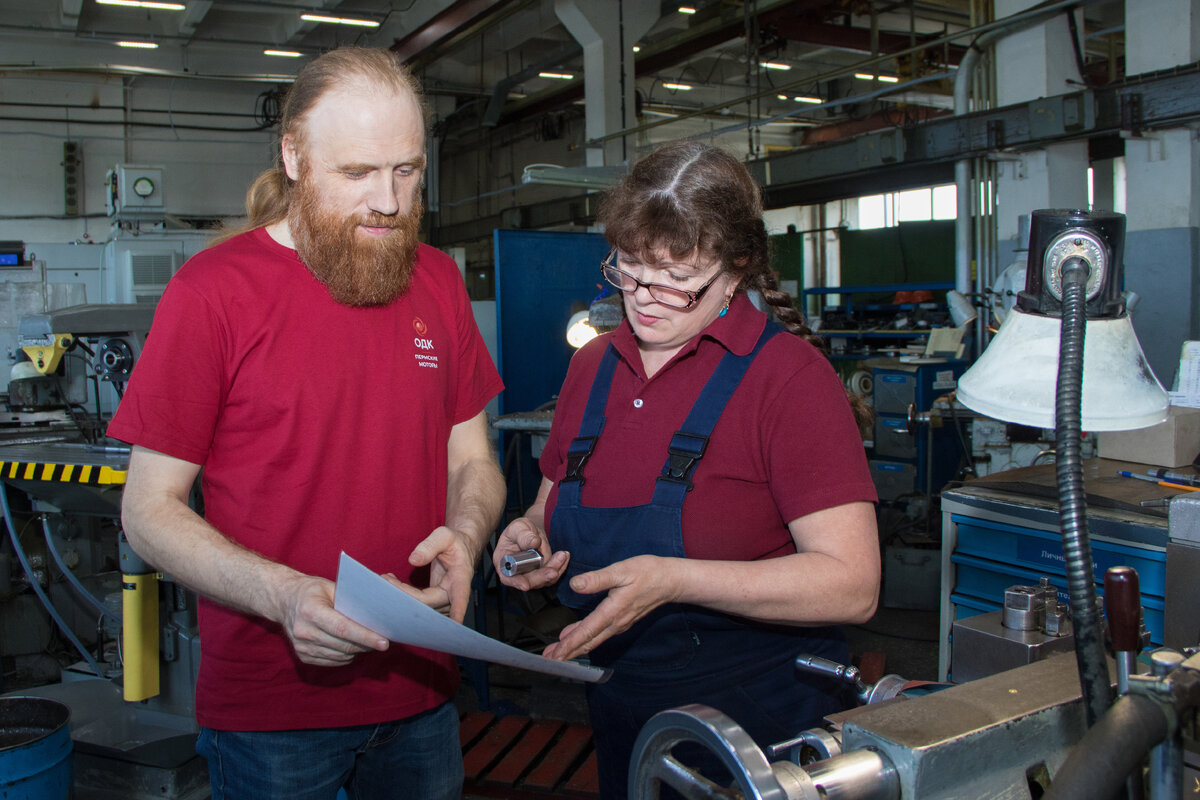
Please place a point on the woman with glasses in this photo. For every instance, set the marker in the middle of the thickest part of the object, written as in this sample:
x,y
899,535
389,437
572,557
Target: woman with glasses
x,y
706,507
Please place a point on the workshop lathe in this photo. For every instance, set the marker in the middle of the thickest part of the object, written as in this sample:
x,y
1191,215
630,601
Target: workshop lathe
x,y
1018,733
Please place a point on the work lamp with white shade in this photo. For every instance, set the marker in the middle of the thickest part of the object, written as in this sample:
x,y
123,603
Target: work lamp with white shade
x,y
1066,357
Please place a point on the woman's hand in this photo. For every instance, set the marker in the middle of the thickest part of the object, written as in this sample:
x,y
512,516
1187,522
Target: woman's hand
x,y
636,586
524,534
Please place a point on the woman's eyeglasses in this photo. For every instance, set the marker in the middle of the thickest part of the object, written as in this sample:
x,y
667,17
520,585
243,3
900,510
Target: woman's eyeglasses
x,y
667,295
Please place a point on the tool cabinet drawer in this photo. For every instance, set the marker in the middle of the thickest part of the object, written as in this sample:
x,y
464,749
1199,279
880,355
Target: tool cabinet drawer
x,y
1042,552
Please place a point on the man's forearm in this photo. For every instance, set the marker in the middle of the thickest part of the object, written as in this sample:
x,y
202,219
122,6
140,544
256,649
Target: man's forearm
x,y
176,540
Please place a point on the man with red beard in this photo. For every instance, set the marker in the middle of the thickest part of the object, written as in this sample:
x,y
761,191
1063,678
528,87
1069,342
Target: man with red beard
x,y
325,371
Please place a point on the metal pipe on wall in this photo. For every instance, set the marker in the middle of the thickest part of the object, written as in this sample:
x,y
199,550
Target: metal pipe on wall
x,y
963,80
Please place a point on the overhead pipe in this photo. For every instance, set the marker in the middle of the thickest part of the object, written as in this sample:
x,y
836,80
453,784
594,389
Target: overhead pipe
x,y
992,32
1023,18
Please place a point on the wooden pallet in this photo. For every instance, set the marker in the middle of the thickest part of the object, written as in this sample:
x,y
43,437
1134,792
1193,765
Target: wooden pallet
x,y
517,757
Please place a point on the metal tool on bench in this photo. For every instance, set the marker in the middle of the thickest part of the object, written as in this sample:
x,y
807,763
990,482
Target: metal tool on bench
x,y
885,688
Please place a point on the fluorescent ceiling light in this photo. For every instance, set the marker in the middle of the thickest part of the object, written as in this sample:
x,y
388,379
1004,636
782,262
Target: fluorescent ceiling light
x,y
282,53
803,99
686,10
864,76
562,76
678,87
144,4
365,23
575,177
142,45
775,65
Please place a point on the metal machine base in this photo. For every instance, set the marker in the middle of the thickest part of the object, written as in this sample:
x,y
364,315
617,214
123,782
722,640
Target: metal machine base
x,y
126,751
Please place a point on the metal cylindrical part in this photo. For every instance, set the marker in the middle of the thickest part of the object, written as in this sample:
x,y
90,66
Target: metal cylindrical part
x,y
858,775
1024,608
1164,661
520,563
815,744
815,665
1166,760
1126,665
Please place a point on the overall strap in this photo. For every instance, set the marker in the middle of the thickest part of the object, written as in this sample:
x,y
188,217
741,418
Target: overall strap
x,y
581,447
689,442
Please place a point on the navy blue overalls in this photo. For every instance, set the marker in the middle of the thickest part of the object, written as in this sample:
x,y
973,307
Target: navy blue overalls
x,y
679,654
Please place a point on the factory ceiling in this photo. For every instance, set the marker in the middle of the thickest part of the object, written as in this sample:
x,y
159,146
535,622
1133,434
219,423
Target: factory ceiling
x,y
799,71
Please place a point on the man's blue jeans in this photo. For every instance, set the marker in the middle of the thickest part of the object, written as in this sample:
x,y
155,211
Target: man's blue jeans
x,y
415,757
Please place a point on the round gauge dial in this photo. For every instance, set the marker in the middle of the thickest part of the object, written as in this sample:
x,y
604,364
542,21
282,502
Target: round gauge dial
x,y
1079,244
143,187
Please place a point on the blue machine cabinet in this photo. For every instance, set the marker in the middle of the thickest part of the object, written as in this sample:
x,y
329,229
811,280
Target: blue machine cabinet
x,y
904,461
993,539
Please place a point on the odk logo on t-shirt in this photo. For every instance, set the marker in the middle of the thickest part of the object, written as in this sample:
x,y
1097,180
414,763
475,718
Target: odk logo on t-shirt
x,y
424,345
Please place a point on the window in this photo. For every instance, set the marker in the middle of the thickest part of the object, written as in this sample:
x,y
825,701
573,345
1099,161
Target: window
x,y
915,205
873,211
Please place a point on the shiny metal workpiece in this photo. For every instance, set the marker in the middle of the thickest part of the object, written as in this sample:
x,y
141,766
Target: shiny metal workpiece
x,y
520,563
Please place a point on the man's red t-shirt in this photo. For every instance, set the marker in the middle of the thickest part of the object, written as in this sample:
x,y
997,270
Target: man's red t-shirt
x,y
320,428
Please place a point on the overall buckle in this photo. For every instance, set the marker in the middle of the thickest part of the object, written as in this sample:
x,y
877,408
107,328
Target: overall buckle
x,y
578,453
685,450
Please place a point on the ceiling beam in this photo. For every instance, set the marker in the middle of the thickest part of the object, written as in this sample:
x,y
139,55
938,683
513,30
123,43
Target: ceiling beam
x,y
192,16
448,27
858,40
68,13
292,30
709,33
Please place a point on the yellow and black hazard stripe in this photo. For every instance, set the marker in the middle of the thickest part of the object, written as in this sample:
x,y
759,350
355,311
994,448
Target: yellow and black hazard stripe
x,y
89,474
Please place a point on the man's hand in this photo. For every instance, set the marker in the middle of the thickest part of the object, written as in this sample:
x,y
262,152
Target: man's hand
x,y
636,586
451,557
319,635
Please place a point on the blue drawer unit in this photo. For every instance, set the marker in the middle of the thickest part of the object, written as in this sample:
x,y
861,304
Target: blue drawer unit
x,y
1042,551
984,582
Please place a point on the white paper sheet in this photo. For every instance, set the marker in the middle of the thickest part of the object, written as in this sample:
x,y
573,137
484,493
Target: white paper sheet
x,y
1186,391
368,599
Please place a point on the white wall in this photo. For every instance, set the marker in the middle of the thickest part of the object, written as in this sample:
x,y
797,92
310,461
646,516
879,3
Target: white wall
x,y
207,171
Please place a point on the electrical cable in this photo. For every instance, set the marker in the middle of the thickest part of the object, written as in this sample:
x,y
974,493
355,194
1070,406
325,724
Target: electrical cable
x,y
37,588
268,108
72,578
